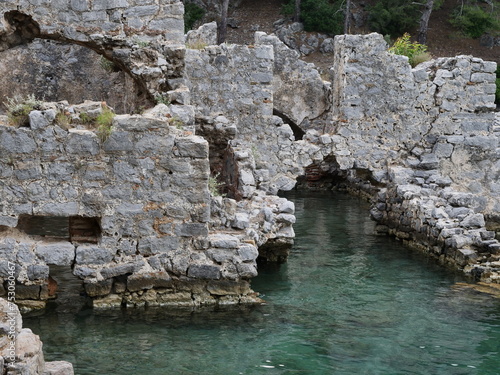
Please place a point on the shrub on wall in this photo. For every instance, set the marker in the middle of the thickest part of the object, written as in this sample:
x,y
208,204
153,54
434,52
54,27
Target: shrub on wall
x,y
415,52
393,17
325,16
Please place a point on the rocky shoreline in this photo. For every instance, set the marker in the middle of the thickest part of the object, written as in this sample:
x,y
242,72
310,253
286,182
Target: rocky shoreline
x,y
174,206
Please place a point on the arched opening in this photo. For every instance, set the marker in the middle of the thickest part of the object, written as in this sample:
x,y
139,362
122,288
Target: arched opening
x,y
54,68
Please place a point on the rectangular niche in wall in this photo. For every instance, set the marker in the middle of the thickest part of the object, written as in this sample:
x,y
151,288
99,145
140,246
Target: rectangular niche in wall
x,y
73,228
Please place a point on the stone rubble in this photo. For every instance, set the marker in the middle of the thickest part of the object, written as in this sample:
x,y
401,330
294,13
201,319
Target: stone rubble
x,y
28,358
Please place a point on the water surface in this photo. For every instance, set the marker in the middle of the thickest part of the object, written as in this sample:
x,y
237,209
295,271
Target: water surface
x,y
347,302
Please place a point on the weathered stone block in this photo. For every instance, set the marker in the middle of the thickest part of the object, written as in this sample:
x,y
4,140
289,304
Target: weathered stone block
x,y
56,253
41,119
38,272
220,255
156,245
248,253
82,142
118,141
192,230
225,241
99,288
83,272
142,281
122,269
89,254
8,221
57,209
58,368
224,287
247,270
204,271
194,147
473,221
241,221
17,141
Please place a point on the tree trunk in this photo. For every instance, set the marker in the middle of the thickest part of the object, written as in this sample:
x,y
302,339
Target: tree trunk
x,y
223,22
347,20
424,22
296,16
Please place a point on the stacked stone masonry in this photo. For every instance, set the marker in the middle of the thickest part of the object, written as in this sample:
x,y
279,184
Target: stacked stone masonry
x,y
392,129
420,141
147,187
143,38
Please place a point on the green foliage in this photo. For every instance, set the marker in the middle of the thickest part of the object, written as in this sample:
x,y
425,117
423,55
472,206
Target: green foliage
x,y
393,17
108,65
177,122
319,15
19,108
104,122
474,21
415,52
63,120
85,118
214,186
192,13
161,99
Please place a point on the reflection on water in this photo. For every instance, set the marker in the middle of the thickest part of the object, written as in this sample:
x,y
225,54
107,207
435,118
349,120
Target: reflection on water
x,y
347,302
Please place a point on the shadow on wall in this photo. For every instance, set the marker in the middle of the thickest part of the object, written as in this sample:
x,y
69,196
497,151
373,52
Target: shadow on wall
x,y
54,71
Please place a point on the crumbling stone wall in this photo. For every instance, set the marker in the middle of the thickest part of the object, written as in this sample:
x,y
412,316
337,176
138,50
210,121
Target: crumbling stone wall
x,y
434,129
422,141
147,186
145,39
54,71
299,92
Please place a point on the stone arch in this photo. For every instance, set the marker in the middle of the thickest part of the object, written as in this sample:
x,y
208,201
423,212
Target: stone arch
x,y
146,42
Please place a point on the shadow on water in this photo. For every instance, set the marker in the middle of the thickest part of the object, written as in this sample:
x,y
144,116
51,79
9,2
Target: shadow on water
x,y
346,302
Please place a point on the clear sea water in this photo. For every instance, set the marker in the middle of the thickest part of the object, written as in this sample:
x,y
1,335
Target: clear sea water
x,y
346,302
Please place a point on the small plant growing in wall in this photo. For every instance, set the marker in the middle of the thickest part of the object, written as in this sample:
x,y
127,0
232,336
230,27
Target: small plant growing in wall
x,y
196,45
85,118
177,122
214,186
63,119
104,123
415,52
161,99
19,108
107,65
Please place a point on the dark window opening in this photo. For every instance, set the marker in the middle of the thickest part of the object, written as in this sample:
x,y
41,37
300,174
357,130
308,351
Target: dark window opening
x,y
73,228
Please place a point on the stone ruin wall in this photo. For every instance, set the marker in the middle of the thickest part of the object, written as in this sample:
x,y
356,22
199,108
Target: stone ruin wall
x,y
145,39
423,141
54,71
385,127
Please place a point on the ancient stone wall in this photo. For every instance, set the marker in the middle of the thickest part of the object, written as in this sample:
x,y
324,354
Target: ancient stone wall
x,y
299,92
145,187
429,136
424,138
55,71
143,38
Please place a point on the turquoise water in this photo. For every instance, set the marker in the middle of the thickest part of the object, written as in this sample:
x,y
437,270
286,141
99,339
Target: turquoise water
x,y
347,302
